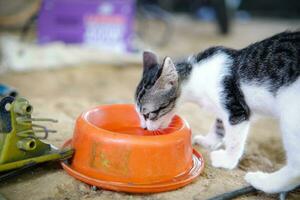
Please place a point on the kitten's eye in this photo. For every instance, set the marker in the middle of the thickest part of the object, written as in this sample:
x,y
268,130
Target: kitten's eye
x,y
152,115
164,105
146,116
172,83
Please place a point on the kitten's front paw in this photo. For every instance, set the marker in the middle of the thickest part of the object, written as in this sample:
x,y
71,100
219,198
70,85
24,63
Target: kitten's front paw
x,y
221,159
206,142
200,139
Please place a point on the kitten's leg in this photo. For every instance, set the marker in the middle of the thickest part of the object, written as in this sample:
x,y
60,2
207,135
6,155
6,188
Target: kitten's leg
x,y
234,139
287,177
214,139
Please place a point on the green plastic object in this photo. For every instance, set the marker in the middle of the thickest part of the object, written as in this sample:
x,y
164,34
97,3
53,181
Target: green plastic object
x,y
19,141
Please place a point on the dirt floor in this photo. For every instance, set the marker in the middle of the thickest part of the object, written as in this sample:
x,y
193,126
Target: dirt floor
x,y
63,94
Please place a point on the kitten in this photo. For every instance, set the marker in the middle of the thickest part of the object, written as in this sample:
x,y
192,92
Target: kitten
x,y
263,78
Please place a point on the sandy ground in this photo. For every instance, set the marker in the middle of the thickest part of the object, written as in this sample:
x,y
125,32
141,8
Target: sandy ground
x,y
63,94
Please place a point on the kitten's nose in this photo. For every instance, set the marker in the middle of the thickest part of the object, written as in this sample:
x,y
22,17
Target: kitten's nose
x,y
145,128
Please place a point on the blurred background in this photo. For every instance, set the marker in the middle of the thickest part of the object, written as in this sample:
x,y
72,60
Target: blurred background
x,y
66,56
116,31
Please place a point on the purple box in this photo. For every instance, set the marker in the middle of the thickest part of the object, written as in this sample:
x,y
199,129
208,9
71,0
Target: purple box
x,y
105,24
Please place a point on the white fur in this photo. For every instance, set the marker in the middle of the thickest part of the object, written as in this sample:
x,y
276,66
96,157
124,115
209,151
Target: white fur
x,y
204,87
211,141
260,100
285,106
142,120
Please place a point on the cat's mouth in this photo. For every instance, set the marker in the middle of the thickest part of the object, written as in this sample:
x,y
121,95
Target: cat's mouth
x,y
159,124
152,126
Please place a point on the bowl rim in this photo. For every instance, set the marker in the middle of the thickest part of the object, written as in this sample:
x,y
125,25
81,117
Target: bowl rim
x,y
84,115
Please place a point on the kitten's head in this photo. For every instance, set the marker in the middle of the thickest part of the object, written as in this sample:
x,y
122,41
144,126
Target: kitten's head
x,y
157,92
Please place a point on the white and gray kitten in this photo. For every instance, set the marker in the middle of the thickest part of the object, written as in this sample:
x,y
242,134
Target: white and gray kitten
x,y
263,78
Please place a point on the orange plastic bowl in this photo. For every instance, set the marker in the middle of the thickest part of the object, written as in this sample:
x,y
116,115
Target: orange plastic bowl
x,y
113,152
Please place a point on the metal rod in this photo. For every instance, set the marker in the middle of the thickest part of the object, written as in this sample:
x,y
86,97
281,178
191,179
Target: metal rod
x,y
244,191
26,119
44,129
235,193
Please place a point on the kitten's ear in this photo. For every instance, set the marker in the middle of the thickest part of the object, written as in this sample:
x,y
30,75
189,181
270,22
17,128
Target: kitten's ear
x,y
169,74
149,59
